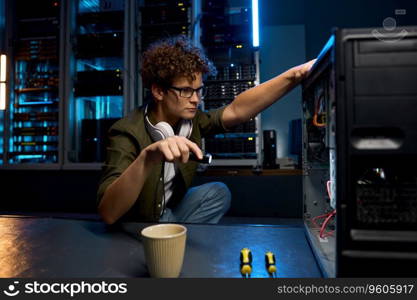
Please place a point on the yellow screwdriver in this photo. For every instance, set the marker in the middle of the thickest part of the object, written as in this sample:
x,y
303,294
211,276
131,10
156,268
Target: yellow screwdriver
x,y
270,263
245,262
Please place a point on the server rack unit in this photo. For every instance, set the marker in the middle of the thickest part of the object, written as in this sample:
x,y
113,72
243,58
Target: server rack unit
x,y
101,82
227,39
162,19
97,100
360,154
32,119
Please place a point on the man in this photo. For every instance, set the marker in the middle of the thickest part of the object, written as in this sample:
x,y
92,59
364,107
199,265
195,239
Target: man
x,y
147,171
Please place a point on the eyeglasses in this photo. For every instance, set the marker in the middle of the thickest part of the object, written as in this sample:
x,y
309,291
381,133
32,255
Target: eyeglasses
x,y
188,92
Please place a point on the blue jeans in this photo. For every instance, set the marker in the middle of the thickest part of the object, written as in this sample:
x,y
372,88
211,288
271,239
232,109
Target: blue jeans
x,y
205,203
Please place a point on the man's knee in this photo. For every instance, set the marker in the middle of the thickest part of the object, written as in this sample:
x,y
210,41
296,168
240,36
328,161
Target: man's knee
x,y
222,194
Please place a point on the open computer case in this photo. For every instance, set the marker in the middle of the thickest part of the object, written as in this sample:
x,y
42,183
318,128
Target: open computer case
x,y
360,154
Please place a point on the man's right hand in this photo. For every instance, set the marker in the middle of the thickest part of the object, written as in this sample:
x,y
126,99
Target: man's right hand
x,y
175,148
123,192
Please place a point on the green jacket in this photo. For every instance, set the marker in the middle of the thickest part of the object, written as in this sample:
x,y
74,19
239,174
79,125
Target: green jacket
x,y
127,137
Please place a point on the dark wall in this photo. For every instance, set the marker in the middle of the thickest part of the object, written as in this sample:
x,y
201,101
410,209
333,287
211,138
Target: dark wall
x,y
320,16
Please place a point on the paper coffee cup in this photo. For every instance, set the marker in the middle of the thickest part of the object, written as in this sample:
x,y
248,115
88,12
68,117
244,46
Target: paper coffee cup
x,y
164,246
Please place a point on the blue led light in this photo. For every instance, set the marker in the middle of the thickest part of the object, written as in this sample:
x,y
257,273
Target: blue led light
x,y
242,135
255,23
327,47
36,102
29,156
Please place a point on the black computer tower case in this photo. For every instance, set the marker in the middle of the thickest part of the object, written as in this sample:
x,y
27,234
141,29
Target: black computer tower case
x,y
360,153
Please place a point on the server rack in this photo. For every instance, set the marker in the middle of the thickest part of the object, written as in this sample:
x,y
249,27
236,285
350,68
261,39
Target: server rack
x,y
226,37
359,154
101,77
73,73
97,99
33,116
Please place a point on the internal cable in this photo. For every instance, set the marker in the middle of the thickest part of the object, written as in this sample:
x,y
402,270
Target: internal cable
x,y
317,109
323,232
327,217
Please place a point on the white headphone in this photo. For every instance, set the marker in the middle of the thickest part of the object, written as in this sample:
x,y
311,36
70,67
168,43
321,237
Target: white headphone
x,y
163,130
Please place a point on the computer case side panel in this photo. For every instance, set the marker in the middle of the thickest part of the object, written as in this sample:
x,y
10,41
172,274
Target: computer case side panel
x,y
377,151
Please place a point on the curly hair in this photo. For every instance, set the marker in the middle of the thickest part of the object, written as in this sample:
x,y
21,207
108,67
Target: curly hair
x,y
170,58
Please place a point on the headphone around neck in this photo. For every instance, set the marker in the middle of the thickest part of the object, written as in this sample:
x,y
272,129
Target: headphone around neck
x,y
163,130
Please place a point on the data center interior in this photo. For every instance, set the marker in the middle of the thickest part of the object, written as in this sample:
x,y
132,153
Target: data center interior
x,y
335,157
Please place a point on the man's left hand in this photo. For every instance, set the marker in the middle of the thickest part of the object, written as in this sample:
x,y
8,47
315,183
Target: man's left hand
x,y
301,71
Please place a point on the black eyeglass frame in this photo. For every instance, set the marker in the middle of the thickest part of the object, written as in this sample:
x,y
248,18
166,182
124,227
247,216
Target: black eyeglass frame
x,y
201,91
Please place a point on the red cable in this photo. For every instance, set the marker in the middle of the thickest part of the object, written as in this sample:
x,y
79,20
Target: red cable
x,y
323,226
328,188
319,217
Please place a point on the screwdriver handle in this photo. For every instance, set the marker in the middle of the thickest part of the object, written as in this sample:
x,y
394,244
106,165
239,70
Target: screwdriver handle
x,y
245,262
270,262
207,158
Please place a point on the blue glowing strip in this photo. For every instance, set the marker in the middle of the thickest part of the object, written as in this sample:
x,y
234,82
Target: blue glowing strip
x,y
326,47
36,103
255,24
235,135
28,156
